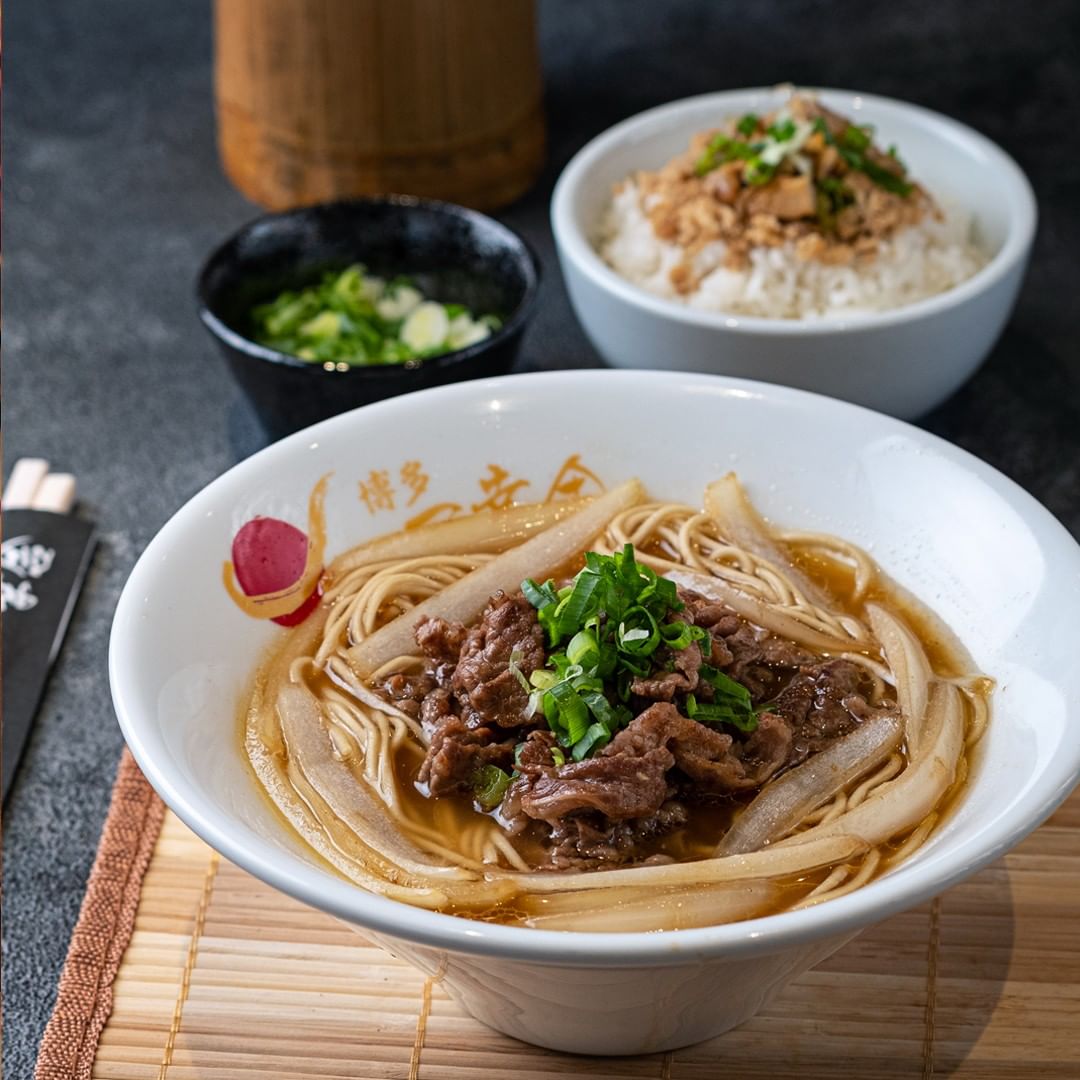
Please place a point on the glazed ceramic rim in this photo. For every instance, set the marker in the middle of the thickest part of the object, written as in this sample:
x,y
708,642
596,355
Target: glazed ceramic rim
x,y
512,325
575,246
910,885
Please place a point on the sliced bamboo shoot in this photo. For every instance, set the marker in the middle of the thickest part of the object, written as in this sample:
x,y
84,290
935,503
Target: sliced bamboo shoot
x,y
463,601
783,803
489,530
726,502
645,909
771,863
760,614
910,667
902,803
311,749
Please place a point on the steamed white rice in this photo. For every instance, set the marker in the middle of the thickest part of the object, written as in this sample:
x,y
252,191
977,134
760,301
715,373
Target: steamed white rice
x,y
919,261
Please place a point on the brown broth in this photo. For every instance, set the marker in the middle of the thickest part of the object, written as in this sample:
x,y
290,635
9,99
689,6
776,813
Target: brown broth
x,y
838,580
708,819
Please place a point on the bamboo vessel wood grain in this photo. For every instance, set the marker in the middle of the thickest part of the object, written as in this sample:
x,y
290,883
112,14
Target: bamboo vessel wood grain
x,y
319,99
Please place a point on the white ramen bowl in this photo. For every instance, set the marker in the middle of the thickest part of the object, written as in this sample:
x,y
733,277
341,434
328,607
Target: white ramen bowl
x,y
903,361
966,540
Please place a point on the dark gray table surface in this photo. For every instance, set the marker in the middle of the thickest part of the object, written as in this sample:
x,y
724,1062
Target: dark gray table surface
x,y
114,194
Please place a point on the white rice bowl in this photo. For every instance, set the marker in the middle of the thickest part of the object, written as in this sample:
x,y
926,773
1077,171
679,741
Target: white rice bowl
x,y
917,262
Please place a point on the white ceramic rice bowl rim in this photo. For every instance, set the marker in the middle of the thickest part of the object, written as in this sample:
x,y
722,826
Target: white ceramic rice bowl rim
x,y
910,885
575,246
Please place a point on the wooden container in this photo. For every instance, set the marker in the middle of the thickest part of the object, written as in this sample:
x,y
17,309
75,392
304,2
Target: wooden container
x,y
318,99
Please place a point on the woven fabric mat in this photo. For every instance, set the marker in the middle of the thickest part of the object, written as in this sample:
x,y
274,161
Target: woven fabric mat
x,y
207,973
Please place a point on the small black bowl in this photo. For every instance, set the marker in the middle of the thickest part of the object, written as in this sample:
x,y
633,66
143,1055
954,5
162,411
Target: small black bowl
x,y
454,255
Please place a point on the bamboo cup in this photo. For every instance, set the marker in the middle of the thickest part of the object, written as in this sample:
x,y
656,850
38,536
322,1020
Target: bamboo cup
x,y
318,99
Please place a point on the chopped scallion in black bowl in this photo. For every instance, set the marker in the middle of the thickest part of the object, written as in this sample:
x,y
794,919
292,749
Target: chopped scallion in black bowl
x,y
270,293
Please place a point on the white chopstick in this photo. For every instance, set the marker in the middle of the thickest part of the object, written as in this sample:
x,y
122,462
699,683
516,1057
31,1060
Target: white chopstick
x,y
32,487
22,485
55,493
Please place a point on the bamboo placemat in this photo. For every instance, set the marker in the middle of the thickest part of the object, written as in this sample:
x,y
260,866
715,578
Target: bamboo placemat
x,y
225,979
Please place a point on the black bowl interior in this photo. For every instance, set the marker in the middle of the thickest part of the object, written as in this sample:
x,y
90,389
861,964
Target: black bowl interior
x,y
453,254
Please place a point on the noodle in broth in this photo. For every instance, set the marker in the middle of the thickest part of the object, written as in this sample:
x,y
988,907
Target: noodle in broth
x,y
341,761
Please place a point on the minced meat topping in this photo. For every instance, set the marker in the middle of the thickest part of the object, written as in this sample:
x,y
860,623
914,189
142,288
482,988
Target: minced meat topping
x,y
802,175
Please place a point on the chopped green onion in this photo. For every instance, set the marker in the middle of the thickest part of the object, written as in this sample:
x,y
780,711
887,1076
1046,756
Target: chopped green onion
x,y
489,786
725,683
543,680
835,187
595,738
679,635
286,314
747,125
757,172
851,146
886,179
719,712
582,647
513,666
351,319
641,639
612,617
722,149
325,325
539,595
603,711
855,137
832,196
572,608
573,713
731,701
782,131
